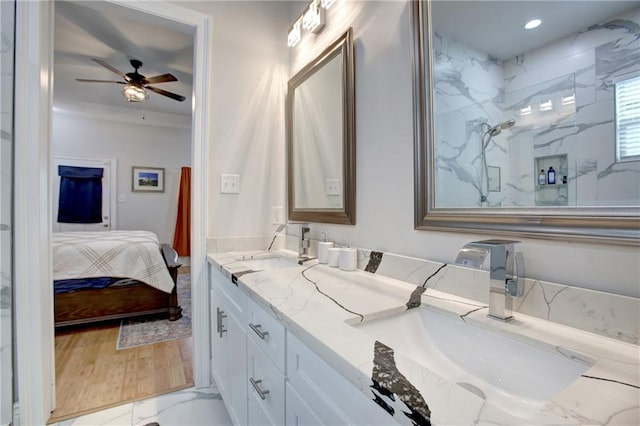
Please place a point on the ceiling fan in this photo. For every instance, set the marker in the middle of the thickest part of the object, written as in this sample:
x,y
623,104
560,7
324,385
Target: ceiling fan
x,y
135,84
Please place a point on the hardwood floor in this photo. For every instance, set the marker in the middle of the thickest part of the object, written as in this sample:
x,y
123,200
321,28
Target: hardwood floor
x,y
92,375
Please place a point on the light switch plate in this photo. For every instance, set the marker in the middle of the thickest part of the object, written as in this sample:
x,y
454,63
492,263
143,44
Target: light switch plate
x,y
332,187
229,184
277,214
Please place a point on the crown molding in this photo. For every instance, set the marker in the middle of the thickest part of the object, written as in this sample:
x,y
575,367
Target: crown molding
x,y
106,112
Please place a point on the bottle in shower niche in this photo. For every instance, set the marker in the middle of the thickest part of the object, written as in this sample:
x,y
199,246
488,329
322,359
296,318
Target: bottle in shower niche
x,y
551,176
542,178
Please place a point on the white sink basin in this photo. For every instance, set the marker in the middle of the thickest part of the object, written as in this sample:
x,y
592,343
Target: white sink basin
x,y
267,263
517,377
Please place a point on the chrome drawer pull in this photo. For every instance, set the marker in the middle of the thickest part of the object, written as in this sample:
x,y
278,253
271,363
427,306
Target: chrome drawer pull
x,y
256,328
221,328
256,385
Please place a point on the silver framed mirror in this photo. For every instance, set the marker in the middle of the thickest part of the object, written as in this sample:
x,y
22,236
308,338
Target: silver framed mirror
x,y
321,167
483,100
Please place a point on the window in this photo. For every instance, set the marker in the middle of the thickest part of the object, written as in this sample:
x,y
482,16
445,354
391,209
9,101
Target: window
x,y
627,96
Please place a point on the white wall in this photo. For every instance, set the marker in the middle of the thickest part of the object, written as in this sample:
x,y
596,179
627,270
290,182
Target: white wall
x,y
247,86
130,144
385,161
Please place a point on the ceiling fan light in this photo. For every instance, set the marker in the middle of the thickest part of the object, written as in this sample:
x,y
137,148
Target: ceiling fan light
x,y
135,93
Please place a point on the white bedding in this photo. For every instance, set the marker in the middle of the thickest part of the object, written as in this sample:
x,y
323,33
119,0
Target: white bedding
x,y
124,254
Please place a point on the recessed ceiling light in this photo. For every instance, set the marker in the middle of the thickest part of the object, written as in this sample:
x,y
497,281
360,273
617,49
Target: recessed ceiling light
x,y
534,23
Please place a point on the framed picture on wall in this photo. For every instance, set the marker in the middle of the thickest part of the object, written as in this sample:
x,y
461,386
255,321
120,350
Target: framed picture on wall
x,y
147,179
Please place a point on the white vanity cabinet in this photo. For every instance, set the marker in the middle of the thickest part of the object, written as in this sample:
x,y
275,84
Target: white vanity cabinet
x,y
229,353
267,376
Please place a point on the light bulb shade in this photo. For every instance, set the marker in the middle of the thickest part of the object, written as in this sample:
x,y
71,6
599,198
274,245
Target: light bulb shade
x,y
294,34
135,93
326,4
314,18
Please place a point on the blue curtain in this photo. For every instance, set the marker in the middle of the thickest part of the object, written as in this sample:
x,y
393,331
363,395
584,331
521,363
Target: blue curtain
x,y
80,195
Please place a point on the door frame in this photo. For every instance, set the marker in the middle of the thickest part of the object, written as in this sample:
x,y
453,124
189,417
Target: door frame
x,y
113,183
34,334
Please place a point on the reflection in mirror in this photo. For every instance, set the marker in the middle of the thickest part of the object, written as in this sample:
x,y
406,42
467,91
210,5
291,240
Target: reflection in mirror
x,y
552,111
321,137
317,153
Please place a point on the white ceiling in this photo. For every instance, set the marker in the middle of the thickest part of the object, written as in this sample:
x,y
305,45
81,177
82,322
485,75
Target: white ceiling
x,y
115,34
497,27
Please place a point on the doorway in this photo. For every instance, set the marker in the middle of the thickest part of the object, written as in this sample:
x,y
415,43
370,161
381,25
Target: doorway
x,y
114,363
36,393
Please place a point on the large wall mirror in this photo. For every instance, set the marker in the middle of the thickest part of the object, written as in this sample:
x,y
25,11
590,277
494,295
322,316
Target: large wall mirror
x,y
321,137
534,132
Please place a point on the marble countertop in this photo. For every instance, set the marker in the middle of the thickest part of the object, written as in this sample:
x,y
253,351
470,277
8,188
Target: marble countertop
x,y
320,305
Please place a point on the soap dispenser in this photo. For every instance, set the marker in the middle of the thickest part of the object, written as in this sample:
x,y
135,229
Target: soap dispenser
x,y
551,176
323,248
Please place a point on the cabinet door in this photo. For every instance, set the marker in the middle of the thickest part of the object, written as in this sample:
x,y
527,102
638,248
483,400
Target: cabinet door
x,y
229,360
219,362
265,385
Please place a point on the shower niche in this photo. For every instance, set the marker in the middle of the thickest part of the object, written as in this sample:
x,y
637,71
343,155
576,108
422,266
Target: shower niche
x,y
547,191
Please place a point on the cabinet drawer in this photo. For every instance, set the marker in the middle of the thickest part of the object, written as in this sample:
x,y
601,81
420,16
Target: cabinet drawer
x,y
331,397
267,333
265,387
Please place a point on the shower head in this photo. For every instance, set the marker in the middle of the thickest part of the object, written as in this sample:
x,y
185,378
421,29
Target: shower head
x,y
497,129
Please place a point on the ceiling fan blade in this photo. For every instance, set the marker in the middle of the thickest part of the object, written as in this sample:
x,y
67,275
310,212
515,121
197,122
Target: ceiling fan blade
x,y
171,95
86,80
109,67
160,79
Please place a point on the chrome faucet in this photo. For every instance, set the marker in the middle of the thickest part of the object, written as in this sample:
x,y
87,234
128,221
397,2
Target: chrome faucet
x,y
304,242
504,284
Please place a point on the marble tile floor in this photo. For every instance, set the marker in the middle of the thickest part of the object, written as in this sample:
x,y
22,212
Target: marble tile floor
x,y
188,407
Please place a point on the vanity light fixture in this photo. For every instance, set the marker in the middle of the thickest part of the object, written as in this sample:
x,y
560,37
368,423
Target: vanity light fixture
x,y
327,3
546,106
294,34
534,23
135,93
526,110
314,18
568,100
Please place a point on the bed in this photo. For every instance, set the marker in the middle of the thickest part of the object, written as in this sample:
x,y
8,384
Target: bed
x,y
101,276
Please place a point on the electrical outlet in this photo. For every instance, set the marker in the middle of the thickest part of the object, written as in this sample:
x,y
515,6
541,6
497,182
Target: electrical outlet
x,y
229,184
332,187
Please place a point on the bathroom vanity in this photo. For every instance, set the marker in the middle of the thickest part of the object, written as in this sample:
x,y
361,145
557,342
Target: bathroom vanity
x,y
310,344
250,345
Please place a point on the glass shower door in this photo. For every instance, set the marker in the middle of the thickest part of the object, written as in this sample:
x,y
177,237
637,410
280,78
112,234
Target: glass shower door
x,y
7,38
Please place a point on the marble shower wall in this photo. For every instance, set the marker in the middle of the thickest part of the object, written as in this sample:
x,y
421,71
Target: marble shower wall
x,y
577,74
6,207
468,91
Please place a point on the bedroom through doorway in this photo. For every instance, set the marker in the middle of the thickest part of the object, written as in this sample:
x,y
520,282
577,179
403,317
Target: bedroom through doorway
x,y
108,363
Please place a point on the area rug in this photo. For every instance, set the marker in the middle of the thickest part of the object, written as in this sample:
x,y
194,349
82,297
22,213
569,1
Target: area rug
x,y
138,332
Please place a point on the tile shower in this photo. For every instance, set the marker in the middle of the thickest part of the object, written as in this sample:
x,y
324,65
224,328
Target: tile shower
x,y
562,98
6,207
